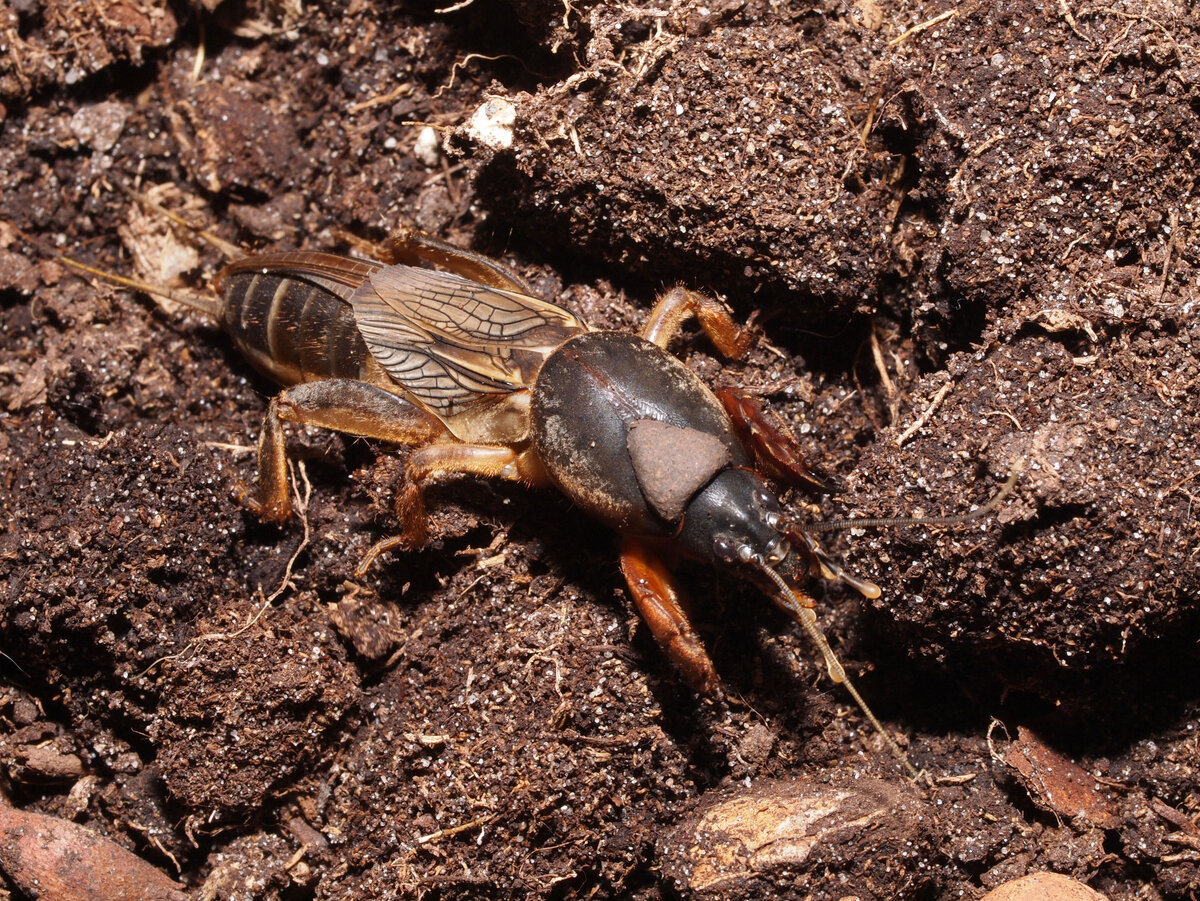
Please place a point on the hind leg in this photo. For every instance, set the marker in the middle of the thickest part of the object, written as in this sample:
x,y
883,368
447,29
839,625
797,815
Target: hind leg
x,y
340,405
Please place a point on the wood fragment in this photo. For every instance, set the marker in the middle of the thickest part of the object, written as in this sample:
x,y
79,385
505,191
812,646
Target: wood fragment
x,y
1168,262
1070,17
1057,783
889,387
454,830
925,416
47,857
917,29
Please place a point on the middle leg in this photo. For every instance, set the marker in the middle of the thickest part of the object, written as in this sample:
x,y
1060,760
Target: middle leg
x,y
429,463
676,305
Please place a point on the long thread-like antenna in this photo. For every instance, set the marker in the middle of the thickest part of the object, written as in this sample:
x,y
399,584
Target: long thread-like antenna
x,y
807,617
835,525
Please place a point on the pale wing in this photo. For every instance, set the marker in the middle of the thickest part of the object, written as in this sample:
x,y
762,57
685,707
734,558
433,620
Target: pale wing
x,y
449,340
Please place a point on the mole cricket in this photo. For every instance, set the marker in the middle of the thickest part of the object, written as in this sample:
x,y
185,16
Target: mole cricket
x,y
449,353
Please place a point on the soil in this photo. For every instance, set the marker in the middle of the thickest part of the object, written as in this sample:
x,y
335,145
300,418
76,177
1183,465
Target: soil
x,y
968,234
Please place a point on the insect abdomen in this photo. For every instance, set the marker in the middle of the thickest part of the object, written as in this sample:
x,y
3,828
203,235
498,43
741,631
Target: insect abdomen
x,y
292,330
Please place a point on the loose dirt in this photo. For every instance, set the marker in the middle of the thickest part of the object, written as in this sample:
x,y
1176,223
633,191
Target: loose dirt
x,y
968,233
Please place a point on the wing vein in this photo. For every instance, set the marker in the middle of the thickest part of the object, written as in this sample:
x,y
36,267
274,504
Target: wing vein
x,y
449,340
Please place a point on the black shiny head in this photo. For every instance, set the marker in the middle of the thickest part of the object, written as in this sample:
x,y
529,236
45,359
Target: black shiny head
x,y
734,519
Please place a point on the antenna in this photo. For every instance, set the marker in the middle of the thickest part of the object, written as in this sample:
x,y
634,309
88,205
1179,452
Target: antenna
x,y
806,617
835,525
803,613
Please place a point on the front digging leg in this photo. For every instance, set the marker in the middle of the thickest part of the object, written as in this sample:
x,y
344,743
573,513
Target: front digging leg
x,y
661,606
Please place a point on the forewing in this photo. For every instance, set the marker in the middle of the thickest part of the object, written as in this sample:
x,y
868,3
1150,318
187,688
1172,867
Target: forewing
x,y
449,340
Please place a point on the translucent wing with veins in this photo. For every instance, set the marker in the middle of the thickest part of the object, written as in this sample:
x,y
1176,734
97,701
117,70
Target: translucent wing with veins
x,y
448,340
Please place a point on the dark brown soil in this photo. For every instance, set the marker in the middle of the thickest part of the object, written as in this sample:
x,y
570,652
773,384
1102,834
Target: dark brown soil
x,y
969,233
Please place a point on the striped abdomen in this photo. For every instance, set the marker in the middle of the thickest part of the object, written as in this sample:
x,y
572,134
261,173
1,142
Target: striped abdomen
x,y
287,315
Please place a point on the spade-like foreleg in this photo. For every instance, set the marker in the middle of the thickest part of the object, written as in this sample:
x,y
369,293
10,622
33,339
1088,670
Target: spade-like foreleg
x,y
775,448
661,606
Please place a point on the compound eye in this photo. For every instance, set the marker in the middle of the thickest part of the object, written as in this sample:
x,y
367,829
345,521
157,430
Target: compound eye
x,y
725,548
766,500
769,505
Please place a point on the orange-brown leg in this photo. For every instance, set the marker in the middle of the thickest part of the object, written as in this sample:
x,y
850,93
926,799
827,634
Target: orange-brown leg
x,y
676,305
428,464
411,247
775,448
658,601
341,405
